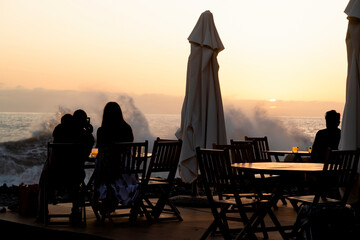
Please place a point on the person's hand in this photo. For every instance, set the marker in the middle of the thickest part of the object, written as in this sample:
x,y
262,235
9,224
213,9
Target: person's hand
x,y
90,128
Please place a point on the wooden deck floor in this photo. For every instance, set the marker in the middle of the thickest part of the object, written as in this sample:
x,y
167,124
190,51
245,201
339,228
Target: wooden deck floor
x,y
196,220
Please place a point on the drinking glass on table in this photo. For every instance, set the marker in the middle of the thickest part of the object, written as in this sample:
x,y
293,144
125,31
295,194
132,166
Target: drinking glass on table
x,y
295,149
94,152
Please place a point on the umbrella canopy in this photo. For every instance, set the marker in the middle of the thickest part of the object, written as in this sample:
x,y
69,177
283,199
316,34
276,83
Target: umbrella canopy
x,y
202,114
353,8
350,128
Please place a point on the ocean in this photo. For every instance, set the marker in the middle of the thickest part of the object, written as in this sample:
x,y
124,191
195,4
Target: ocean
x,y
24,136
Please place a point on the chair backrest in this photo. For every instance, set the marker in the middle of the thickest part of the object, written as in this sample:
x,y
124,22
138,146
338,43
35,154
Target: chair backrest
x,y
165,158
129,158
243,151
340,169
216,172
66,162
260,144
239,151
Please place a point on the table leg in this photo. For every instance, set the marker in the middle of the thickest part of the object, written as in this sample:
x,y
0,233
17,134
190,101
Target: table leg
x,y
263,209
297,158
276,156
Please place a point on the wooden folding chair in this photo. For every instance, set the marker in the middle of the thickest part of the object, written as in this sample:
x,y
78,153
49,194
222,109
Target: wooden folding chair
x,y
218,178
126,158
247,184
260,144
164,160
89,187
241,152
339,172
62,182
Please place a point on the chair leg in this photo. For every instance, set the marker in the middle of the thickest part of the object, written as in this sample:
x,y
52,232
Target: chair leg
x,y
223,216
148,202
295,230
94,203
106,214
83,214
218,222
42,206
91,198
283,200
277,223
295,205
223,229
160,205
96,212
209,230
263,227
254,220
174,209
149,219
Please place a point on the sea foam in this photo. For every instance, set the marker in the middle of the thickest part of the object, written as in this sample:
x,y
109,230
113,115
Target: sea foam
x,y
22,156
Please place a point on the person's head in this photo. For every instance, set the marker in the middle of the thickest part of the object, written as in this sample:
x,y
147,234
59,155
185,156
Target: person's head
x,y
112,115
67,119
332,119
80,117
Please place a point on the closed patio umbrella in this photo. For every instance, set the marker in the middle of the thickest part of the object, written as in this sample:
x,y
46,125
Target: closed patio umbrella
x,y
202,115
350,127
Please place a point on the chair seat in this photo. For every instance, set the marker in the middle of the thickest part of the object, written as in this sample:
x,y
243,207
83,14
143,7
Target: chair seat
x,y
157,179
152,182
242,195
249,195
310,199
266,176
246,201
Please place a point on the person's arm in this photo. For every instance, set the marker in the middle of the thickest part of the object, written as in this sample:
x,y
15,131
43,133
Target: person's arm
x,y
130,134
56,133
315,148
99,138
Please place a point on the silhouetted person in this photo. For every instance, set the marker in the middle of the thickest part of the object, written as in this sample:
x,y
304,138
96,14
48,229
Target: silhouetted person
x,y
326,138
83,129
64,132
82,135
65,169
113,129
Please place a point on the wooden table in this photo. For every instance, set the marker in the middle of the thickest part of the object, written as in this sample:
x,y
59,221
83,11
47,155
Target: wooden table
x,y
278,168
297,154
275,168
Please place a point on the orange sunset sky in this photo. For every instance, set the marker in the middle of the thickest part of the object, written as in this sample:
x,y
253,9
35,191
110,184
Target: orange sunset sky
x,y
280,49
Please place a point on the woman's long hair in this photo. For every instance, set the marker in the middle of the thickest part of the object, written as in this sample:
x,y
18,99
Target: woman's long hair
x,y
112,116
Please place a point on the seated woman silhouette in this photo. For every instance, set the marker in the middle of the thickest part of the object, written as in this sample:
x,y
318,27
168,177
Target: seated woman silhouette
x,y
326,138
124,189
